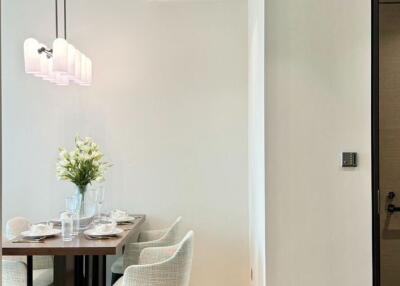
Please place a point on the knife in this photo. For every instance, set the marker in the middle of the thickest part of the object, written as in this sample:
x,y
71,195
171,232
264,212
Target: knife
x,y
27,241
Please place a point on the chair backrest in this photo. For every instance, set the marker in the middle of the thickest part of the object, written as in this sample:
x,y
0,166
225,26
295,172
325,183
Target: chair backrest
x,y
182,260
163,266
15,226
171,236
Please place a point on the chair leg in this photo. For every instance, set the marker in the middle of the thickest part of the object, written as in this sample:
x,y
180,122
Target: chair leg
x,y
115,277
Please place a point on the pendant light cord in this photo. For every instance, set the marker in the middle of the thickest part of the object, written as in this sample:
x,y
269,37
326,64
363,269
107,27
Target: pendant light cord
x,y
56,1
65,19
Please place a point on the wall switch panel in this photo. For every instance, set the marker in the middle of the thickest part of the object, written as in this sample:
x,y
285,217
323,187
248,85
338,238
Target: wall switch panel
x,y
349,159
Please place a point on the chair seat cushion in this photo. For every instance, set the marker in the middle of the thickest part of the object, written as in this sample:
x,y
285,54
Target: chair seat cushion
x,y
42,277
118,266
119,282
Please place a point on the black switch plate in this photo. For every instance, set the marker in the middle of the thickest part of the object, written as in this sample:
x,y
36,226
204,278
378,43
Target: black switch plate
x,y
349,159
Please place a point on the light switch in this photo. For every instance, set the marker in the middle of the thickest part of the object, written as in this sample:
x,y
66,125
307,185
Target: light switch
x,y
349,159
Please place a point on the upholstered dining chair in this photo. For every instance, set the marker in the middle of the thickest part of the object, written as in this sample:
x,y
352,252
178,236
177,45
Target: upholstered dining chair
x,y
14,267
13,273
161,266
149,238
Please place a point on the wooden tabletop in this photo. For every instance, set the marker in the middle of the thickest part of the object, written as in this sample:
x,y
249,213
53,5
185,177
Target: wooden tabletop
x,y
78,246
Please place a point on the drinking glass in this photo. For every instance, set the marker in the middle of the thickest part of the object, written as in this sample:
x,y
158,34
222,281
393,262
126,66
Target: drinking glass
x,y
70,204
66,226
99,198
72,207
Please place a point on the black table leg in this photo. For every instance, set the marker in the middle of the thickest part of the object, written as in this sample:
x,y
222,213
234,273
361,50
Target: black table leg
x,y
95,270
87,270
68,270
29,262
64,270
102,264
79,278
79,270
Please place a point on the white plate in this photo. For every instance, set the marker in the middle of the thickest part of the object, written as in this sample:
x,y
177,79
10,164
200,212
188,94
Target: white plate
x,y
124,219
93,232
49,233
85,219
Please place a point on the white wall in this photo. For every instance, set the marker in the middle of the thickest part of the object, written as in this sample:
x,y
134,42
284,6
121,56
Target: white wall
x,y
256,141
318,105
168,106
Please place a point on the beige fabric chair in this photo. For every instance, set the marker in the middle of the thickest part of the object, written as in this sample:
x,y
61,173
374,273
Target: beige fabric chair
x,y
14,267
161,266
13,273
149,238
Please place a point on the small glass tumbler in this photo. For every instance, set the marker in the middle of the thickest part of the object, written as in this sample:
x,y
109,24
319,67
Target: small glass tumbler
x,y
76,224
66,226
73,206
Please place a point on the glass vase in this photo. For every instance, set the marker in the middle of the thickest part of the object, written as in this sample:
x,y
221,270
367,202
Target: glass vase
x,y
80,198
81,222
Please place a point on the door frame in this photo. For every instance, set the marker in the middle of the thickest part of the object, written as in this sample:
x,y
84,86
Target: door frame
x,y
375,142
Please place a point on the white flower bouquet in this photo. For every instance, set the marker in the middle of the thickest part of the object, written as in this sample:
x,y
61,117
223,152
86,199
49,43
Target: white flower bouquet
x,y
83,165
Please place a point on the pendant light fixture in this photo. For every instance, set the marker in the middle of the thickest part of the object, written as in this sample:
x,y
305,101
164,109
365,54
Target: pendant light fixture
x,y
62,64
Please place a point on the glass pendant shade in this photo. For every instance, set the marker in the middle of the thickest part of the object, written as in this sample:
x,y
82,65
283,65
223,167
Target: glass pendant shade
x,y
86,72
71,61
44,66
60,55
61,65
84,60
31,56
51,76
89,71
78,60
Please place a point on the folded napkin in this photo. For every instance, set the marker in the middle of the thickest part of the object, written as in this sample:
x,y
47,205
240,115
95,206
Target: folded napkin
x,y
105,228
118,214
41,228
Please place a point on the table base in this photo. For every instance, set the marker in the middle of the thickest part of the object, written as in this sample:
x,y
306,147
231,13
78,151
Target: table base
x,y
88,270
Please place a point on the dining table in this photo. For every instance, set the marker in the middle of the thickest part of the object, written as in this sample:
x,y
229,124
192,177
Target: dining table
x,y
81,261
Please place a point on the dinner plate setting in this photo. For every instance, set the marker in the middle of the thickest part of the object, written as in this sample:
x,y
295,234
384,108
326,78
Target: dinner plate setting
x,y
83,221
40,231
103,228
49,233
94,232
122,217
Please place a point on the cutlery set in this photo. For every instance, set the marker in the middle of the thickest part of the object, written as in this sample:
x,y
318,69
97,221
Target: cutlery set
x,y
29,240
125,223
90,237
